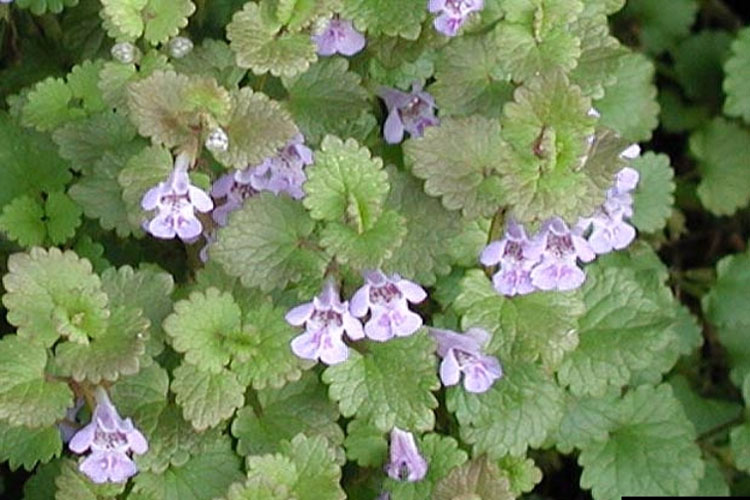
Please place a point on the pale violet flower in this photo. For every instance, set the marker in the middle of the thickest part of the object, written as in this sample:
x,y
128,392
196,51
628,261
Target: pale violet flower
x,y
234,194
406,463
562,248
180,46
452,14
407,112
111,440
517,255
463,354
387,299
68,426
326,319
339,36
283,173
176,201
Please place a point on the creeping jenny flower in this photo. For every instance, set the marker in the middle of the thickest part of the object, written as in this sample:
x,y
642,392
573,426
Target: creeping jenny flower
x,y
558,268
111,441
339,36
176,201
411,112
406,463
517,256
453,14
283,173
464,354
387,300
326,319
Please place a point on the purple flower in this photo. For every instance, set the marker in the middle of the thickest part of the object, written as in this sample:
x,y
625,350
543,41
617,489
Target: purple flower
x,y
411,112
281,173
111,440
517,256
339,36
463,354
453,14
68,426
235,193
176,201
558,269
387,300
326,319
406,464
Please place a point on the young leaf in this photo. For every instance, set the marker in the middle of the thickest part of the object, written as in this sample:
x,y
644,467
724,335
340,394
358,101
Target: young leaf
x,y
164,18
25,446
365,444
601,56
369,248
521,472
479,478
206,397
21,220
62,217
389,385
653,199
48,105
737,79
390,17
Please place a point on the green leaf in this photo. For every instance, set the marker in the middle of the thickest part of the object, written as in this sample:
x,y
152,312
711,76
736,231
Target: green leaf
x,y
539,326
586,420
478,479
601,56
721,148
83,82
442,454
698,62
629,107
204,476
144,170
366,249
518,412
206,398
467,79
713,483
142,397
534,37
118,351
620,333
147,289
211,58
115,77
266,244
41,484
22,221
50,293
26,396
390,17
164,18
39,7
390,385
676,115
74,485
24,446
257,128
660,27
299,407
670,463
345,182
365,444
737,79
62,217
521,472
457,160
123,18
325,97
706,414
48,105
653,199
739,440
261,43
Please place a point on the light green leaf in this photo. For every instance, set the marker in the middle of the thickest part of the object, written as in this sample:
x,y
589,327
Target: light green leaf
x,y
740,446
389,385
62,217
261,43
586,420
115,77
267,244
21,220
629,107
144,170
390,17
653,199
366,249
297,14
26,396
365,444
521,472
650,450
48,105
323,99
123,18
478,479
164,18
211,58
24,446
50,293
457,160
206,398
737,79
257,128
142,397
601,56
722,149
713,484
518,412
661,26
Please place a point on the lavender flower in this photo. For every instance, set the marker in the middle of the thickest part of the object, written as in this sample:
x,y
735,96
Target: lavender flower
x,y
326,319
68,426
453,14
339,36
176,201
558,269
463,354
411,112
406,463
235,193
387,300
517,256
111,440
281,173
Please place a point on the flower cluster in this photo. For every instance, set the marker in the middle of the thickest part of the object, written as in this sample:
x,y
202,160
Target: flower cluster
x,y
549,260
327,318
338,36
453,14
407,112
111,440
463,354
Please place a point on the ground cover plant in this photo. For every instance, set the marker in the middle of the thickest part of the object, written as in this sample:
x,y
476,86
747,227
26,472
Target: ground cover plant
x,y
393,249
